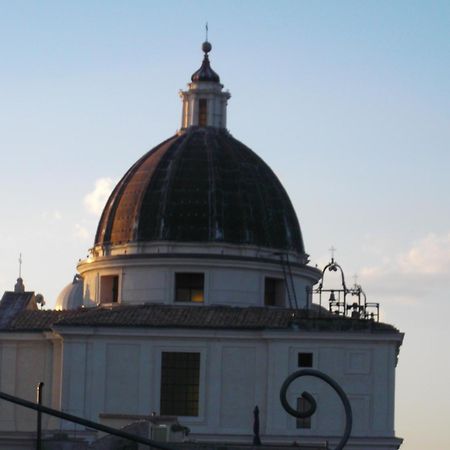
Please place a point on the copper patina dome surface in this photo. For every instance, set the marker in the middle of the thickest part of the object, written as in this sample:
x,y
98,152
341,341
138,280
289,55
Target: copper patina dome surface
x,y
201,186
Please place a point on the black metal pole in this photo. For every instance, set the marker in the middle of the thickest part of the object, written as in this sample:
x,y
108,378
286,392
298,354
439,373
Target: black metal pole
x,y
39,416
84,422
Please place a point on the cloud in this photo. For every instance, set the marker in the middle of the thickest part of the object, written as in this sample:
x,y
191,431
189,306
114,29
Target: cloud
x,y
427,256
51,217
417,273
95,200
430,255
81,232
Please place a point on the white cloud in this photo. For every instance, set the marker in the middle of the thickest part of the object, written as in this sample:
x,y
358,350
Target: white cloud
x,y
430,255
51,217
95,200
81,232
427,256
420,272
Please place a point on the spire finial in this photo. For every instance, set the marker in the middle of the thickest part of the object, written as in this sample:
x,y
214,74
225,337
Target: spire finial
x,y
332,251
19,286
204,104
20,265
206,46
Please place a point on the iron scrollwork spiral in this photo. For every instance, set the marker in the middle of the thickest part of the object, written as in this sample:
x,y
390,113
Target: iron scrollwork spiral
x,y
312,403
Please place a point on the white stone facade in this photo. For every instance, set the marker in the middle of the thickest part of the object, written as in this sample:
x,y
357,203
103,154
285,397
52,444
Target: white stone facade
x,y
216,104
234,275
90,371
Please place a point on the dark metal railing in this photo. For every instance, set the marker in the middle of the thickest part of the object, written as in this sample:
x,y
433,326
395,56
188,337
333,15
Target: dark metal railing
x,y
339,303
75,419
157,445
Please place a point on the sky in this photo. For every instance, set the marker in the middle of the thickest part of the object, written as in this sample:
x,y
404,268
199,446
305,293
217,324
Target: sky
x,y
347,101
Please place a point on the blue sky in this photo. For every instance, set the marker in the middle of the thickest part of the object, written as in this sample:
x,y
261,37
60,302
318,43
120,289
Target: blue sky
x,y
348,102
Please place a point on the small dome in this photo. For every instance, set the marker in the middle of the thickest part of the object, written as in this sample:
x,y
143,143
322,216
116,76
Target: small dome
x,y
71,297
201,186
205,73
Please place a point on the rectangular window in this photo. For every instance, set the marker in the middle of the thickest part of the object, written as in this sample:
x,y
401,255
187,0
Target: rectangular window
x,y
189,287
302,406
273,292
305,360
180,380
202,112
109,289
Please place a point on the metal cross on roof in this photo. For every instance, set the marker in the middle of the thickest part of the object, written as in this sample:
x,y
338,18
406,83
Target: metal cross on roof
x,y
20,265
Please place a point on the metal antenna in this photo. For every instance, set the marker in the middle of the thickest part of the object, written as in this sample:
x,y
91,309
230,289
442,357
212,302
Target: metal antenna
x,y
355,278
20,265
206,31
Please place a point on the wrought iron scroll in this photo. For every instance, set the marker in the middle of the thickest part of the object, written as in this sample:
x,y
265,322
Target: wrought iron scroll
x,y
312,403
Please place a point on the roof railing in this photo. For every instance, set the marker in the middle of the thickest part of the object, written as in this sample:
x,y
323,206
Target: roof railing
x,y
340,297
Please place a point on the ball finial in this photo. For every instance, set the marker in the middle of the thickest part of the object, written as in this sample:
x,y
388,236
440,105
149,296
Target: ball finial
x,y
206,47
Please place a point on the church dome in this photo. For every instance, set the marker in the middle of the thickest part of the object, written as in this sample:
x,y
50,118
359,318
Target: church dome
x,y
71,297
201,186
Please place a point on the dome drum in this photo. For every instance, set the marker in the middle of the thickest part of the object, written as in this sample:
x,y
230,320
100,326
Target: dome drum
x,y
227,280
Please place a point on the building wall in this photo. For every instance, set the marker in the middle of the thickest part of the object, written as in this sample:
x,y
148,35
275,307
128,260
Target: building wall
x,y
119,371
26,359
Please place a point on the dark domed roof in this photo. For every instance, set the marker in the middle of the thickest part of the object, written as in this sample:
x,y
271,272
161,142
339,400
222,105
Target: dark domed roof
x,y
205,73
201,186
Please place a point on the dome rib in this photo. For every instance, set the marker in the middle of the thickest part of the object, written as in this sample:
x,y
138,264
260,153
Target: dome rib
x,y
114,220
166,188
212,192
239,194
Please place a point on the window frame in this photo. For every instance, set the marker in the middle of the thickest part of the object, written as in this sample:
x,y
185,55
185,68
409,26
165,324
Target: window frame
x,y
279,291
203,112
191,289
115,288
305,355
306,422
180,383
188,349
